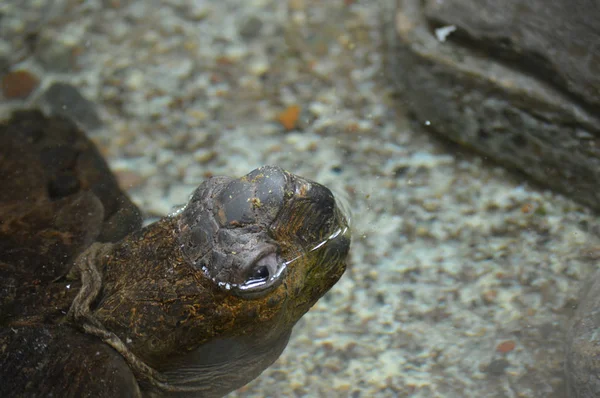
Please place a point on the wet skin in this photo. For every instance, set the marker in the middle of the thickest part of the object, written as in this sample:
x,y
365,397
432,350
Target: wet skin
x,y
201,302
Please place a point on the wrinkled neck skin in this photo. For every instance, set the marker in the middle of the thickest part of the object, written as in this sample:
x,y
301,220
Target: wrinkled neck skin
x,y
202,340
223,365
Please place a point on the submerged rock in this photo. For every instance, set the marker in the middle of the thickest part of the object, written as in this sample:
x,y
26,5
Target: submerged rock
x,y
65,99
518,81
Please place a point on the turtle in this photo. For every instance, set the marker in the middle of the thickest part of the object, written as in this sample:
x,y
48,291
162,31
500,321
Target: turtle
x,y
196,304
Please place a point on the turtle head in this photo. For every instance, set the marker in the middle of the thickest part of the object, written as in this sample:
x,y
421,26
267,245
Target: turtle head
x,y
208,297
253,234
270,244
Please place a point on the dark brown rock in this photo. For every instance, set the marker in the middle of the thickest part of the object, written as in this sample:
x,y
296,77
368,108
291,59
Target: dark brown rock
x,y
516,80
19,84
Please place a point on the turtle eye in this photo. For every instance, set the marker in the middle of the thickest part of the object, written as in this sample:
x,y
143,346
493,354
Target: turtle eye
x,y
261,271
260,274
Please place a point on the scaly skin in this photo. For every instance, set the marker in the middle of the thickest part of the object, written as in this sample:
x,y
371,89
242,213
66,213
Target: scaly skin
x,y
197,304
167,313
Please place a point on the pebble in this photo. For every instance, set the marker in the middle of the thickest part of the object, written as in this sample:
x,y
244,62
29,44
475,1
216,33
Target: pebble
x,y
65,99
497,367
506,346
289,117
19,84
54,55
198,10
251,27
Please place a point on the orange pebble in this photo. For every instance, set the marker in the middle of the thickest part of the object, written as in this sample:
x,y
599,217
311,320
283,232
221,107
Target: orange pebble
x,y
19,84
289,117
527,208
506,346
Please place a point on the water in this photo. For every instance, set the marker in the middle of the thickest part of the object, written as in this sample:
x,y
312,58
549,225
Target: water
x,y
461,277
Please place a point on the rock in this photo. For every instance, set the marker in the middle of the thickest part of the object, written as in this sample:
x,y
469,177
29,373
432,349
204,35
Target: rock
x,y
583,344
518,81
251,27
497,367
19,84
65,99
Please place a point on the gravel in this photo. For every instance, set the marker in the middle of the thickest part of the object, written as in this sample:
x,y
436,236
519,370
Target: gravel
x,y
462,275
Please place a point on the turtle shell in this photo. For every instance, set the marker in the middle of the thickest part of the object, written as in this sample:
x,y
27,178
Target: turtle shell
x,y
58,196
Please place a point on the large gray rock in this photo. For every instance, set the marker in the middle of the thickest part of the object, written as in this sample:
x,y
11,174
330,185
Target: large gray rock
x,y
517,80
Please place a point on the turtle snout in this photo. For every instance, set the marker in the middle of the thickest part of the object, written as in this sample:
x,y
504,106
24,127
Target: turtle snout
x,y
320,197
311,215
